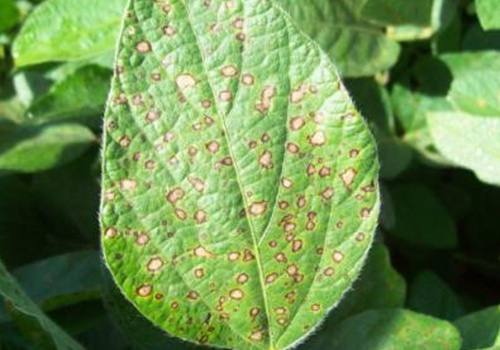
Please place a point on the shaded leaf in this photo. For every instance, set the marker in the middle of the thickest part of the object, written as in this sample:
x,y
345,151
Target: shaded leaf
x,y
357,47
394,12
81,94
214,225
489,13
425,224
25,308
393,329
36,148
480,329
63,30
432,296
469,141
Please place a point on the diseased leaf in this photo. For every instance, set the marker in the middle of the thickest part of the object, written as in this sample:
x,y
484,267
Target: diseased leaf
x,y
427,224
64,30
472,142
377,275
480,329
489,13
477,92
240,189
356,46
53,335
35,148
393,329
81,94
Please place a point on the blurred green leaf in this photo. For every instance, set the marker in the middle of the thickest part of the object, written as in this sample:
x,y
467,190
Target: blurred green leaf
x,y
357,47
393,329
477,92
35,148
430,295
489,13
480,329
477,39
421,219
27,311
62,280
69,195
472,142
9,15
81,94
395,12
64,30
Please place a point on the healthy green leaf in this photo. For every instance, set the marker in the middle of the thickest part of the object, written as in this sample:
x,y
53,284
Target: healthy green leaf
x,y
64,30
358,47
240,189
31,149
81,94
480,329
477,92
432,296
427,224
469,141
489,13
53,335
393,329
9,15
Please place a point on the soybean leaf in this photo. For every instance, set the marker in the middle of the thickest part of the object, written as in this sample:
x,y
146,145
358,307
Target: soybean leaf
x,y
477,92
9,16
139,331
432,296
393,329
81,94
489,13
358,47
477,39
472,142
240,189
374,103
480,329
427,224
31,149
51,335
377,275
393,12
61,280
64,30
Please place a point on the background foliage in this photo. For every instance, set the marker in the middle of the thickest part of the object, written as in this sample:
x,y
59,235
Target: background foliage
x,y
425,73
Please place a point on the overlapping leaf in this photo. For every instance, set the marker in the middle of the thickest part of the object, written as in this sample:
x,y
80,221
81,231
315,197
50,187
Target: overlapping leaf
x,y
240,186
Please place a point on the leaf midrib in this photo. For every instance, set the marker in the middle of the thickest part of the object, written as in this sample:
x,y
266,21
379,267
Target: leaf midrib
x,y
238,178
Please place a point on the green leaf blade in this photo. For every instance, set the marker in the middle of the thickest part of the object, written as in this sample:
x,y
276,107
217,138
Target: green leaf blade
x,y
239,181
64,30
489,14
469,141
